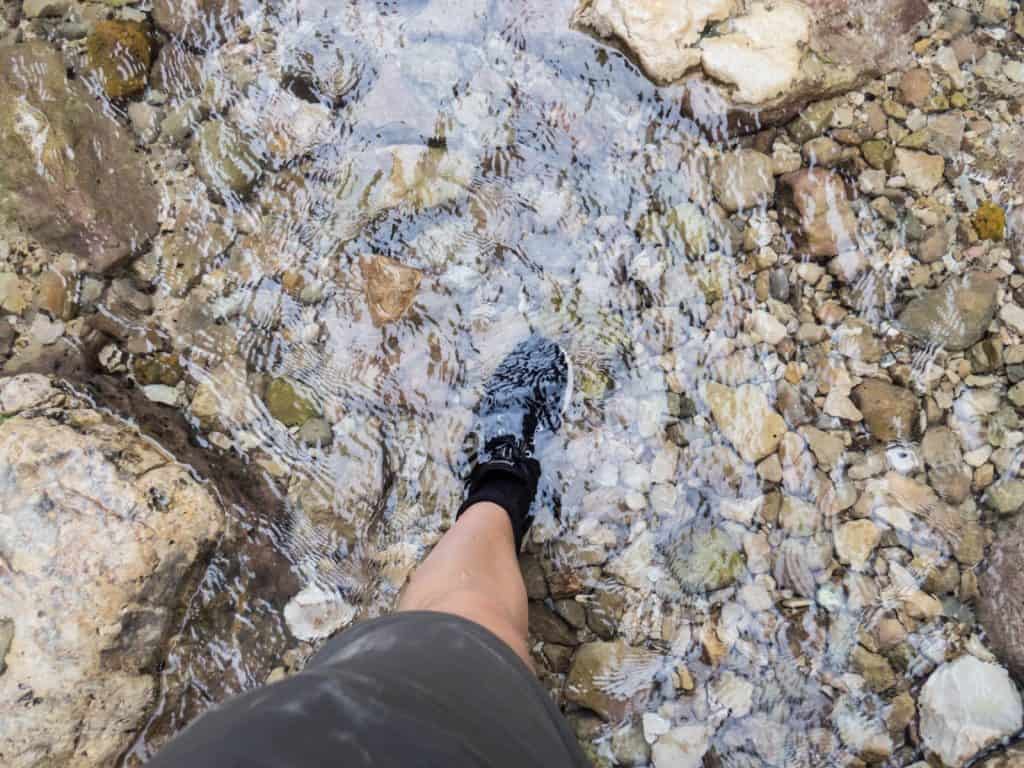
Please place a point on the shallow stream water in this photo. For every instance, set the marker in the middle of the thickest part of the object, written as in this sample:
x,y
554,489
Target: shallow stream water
x,y
541,184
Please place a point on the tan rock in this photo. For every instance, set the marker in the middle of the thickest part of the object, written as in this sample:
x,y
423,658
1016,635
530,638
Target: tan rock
x,y
391,288
826,220
890,412
855,541
922,171
745,417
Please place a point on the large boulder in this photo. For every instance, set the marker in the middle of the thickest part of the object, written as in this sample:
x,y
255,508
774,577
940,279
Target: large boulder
x,y
102,539
1001,605
760,63
70,175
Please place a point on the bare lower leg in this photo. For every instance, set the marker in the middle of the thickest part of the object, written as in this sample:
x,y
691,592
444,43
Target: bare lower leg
x,y
474,573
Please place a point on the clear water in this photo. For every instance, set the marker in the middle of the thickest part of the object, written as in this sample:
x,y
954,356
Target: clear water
x,y
561,154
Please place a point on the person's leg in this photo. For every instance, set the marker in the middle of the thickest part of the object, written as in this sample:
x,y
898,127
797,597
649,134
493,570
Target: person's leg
x,y
473,572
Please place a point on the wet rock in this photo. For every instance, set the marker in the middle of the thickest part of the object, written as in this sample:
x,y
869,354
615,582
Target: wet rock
x,y
682,747
855,542
290,402
798,517
661,36
890,412
875,669
100,202
922,171
177,72
36,9
321,68
966,706
119,55
990,221
190,250
825,217
705,560
746,419
549,627
1001,604
89,620
200,22
1006,496
597,681
145,121
760,53
940,449
315,613
1011,757
316,432
226,160
743,179
956,315
391,288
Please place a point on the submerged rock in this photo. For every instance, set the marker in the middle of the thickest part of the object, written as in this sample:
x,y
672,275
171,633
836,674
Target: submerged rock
x,y
682,747
200,22
119,54
826,220
990,221
290,402
97,201
610,678
746,419
315,614
966,706
955,315
226,159
89,620
704,561
743,179
391,288
1001,604
890,412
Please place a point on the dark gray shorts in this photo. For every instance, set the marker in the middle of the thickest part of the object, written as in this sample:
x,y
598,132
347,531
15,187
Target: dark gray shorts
x,y
412,689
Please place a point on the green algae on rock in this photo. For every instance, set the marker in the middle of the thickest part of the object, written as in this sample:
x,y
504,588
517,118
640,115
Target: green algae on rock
x,y
990,221
704,561
290,402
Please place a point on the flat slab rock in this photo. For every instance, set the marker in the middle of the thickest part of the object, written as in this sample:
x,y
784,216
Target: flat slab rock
x,y
70,175
743,71
102,538
1001,606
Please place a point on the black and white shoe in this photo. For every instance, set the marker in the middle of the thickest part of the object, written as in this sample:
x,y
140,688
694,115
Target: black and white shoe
x,y
529,392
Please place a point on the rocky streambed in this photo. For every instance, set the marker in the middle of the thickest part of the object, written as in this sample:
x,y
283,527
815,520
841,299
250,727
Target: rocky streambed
x,y
256,259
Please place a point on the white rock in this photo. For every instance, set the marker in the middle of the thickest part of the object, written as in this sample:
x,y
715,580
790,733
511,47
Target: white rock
x,y
922,171
841,406
741,510
855,541
314,614
636,476
663,468
161,393
660,33
767,327
966,706
20,393
635,565
762,55
734,693
682,747
655,726
663,499
1013,316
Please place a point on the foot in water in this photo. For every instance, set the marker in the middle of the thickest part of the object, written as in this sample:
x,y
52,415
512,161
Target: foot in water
x,y
528,392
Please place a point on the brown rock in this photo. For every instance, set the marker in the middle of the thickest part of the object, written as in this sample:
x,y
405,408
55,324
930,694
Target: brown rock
x,y
547,626
915,86
119,54
98,202
890,412
201,22
594,666
956,315
1001,604
824,214
390,288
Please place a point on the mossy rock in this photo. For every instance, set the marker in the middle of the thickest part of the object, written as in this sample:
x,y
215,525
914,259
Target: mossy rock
x,y
704,560
158,369
990,221
290,403
119,53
